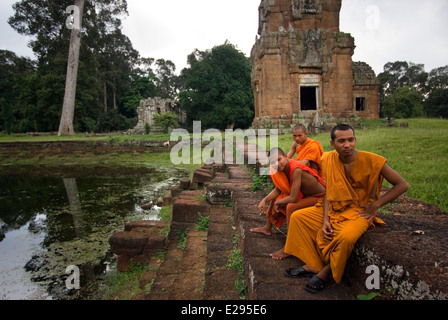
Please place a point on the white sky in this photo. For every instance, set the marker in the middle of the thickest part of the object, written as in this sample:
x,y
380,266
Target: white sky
x,y
384,30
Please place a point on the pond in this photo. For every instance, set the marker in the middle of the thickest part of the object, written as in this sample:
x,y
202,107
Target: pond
x,y
55,218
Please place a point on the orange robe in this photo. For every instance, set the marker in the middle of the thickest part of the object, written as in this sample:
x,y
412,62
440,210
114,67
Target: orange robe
x,y
345,197
311,150
283,183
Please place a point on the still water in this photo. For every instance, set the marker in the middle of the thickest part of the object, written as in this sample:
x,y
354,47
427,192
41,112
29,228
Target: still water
x,y
54,218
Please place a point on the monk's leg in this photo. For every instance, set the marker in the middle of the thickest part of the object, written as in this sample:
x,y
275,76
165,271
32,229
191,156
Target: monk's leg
x,y
337,251
301,240
290,209
301,204
264,230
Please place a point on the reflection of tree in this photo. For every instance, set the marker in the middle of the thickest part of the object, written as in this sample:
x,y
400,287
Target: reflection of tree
x,y
75,205
71,187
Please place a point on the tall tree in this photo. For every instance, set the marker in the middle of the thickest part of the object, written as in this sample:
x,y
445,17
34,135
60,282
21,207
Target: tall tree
x,y
17,93
217,88
400,74
68,107
168,83
106,60
438,78
436,105
405,102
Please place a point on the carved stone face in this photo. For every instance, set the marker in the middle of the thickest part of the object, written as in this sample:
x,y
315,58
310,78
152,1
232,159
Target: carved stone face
x,y
300,7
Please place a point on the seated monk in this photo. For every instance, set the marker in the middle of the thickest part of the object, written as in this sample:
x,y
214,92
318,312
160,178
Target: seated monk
x,y
323,236
308,151
296,187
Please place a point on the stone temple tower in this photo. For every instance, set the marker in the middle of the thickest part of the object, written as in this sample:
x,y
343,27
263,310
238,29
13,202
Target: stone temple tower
x,y
302,68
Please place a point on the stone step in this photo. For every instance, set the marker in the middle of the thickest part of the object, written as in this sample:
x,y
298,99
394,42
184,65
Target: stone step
x,y
220,280
181,275
139,241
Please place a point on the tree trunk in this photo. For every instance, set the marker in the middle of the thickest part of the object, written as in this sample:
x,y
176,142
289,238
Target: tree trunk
x,y
105,96
115,99
68,108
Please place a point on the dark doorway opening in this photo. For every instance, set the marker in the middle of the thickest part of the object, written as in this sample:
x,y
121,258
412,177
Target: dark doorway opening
x,y
360,104
308,98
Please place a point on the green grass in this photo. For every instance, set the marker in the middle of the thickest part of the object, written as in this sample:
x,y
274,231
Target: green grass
x,y
235,262
123,285
419,153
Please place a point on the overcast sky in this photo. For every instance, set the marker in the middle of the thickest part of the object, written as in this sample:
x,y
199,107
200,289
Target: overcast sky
x,y
384,30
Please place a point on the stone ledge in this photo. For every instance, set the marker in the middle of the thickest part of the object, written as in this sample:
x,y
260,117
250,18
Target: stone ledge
x,y
411,253
139,241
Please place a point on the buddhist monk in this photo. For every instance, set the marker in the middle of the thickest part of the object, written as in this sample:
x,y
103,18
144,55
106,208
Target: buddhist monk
x,y
309,151
296,187
323,236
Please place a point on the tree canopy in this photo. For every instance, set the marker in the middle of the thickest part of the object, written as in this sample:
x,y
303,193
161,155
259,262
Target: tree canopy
x,y
112,77
217,88
407,90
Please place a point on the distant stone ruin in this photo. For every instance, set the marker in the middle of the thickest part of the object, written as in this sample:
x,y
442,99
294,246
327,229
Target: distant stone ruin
x,y
152,106
302,68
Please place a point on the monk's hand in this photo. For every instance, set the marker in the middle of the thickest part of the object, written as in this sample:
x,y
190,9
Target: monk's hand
x,y
369,212
262,206
327,230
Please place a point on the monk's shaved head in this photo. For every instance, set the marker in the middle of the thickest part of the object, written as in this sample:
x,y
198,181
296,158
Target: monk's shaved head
x,y
278,151
299,127
341,127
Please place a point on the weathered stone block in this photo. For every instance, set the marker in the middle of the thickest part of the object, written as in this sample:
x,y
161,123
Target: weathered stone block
x,y
167,200
194,186
218,194
176,190
127,243
146,224
202,176
155,239
187,210
184,183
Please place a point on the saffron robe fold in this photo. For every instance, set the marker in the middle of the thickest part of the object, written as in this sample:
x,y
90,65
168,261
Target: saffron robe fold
x,y
311,150
283,183
363,186
346,196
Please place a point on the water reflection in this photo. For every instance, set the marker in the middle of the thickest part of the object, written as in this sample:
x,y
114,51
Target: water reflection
x,y
56,218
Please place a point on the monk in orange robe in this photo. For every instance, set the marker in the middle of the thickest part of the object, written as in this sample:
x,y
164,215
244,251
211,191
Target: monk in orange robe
x,y
309,151
296,187
323,236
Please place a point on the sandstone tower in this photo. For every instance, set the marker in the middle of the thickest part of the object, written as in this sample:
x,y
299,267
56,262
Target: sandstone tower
x,y
302,68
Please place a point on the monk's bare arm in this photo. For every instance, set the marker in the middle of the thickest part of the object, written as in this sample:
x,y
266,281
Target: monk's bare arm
x,y
292,151
295,189
271,196
399,186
